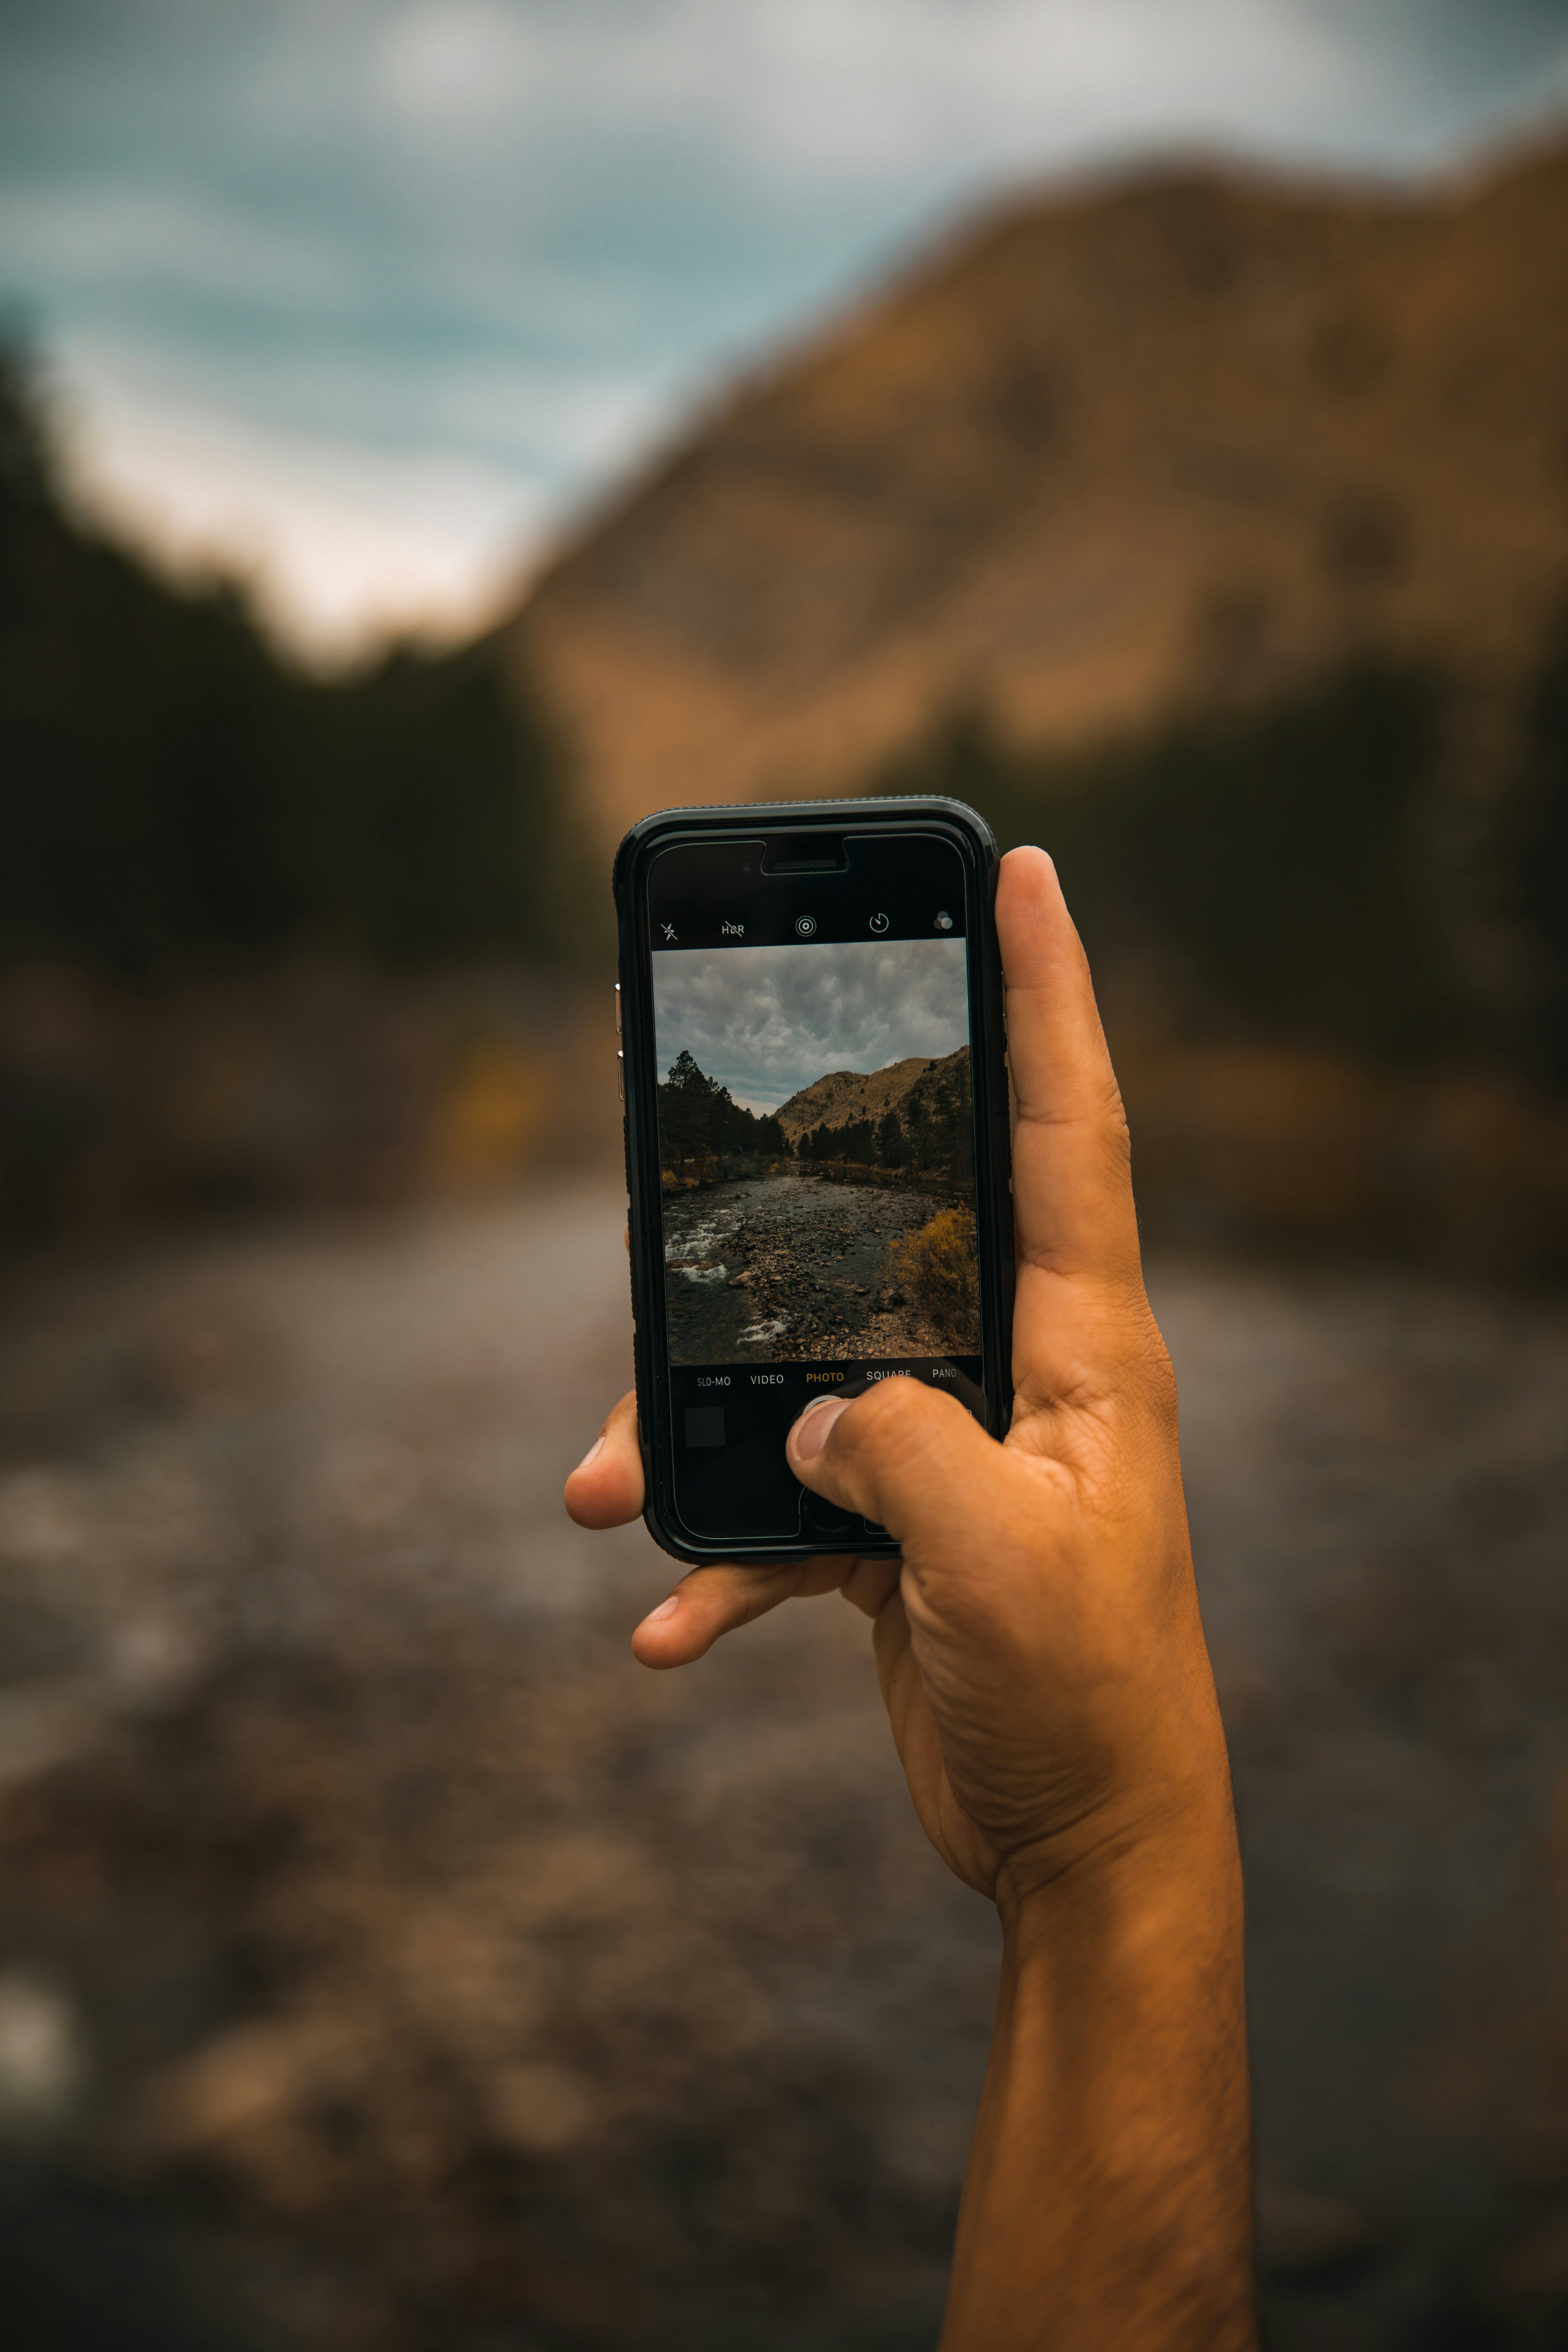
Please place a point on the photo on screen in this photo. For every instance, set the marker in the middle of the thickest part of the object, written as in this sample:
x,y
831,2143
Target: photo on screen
x,y
817,1152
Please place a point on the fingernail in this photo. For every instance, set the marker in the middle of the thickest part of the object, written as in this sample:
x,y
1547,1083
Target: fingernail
x,y
665,1609
811,1432
597,1448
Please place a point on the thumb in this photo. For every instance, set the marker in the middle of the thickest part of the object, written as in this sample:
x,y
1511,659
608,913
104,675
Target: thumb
x,y
903,1455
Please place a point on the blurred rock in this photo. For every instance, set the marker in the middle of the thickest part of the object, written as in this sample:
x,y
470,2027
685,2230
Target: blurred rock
x,y
493,1991
43,2054
1536,2270
201,1354
543,2108
1299,2233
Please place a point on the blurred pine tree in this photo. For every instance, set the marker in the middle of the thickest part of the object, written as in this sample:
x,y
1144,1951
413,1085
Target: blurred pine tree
x,y
170,791
1270,871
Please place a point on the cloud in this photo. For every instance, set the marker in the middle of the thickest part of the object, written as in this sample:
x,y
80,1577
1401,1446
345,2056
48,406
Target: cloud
x,y
342,539
339,546
768,1021
862,88
510,236
458,61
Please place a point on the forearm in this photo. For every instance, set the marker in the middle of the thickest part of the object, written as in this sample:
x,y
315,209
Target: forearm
x,y
1108,2202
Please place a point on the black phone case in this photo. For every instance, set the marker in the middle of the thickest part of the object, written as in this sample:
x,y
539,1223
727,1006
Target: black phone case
x,y
993,1153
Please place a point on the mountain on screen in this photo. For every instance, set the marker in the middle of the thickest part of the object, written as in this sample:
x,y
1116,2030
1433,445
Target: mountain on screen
x,y
844,1096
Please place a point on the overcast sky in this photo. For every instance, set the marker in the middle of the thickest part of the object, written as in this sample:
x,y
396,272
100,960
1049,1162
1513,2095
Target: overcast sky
x,y
767,1021
370,293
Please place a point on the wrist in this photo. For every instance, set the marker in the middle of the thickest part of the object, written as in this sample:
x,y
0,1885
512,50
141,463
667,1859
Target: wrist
x,y
1110,1876
1112,2153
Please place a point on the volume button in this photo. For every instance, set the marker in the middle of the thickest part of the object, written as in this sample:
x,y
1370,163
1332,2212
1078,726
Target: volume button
x,y
620,1077
617,1008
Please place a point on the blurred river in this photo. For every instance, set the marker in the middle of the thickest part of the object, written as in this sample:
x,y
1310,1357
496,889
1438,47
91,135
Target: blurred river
x,y
389,1962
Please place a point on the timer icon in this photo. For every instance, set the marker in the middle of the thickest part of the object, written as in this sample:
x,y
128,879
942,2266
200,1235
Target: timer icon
x,y
878,923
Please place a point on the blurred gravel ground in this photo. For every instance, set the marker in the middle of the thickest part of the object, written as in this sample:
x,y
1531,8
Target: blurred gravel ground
x,y
388,1962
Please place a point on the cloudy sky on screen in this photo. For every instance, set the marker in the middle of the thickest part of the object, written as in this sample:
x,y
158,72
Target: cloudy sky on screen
x,y
371,294
767,1021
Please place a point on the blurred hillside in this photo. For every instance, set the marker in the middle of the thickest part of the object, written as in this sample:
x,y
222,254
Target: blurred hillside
x,y
1212,530
1183,439
261,939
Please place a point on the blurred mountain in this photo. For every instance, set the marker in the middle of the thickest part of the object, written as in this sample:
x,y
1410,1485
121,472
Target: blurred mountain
x,y
1210,528
1152,447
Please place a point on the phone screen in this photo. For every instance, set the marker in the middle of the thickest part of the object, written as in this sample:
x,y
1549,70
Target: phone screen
x,y
817,1146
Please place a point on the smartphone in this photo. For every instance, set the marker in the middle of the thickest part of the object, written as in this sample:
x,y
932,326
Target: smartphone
x,y
813,1066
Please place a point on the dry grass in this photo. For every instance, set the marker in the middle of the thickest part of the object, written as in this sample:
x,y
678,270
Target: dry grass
x,y
937,1267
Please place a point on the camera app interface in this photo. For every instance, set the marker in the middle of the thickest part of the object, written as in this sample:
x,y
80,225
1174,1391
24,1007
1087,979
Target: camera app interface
x,y
816,1148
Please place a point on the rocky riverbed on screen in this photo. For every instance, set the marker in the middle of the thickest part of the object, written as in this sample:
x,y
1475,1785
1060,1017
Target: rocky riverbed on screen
x,y
793,1267
386,1962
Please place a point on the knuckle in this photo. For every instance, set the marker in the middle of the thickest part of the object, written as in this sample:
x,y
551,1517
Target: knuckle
x,y
1160,1377
1144,1376
1145,1356
1115,1142
1112,1110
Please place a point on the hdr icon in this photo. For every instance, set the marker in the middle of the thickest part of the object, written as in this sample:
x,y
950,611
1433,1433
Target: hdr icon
x,y
736,930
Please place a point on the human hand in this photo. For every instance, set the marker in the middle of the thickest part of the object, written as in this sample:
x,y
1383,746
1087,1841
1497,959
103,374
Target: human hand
x,y
1042,1659
1039,1645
